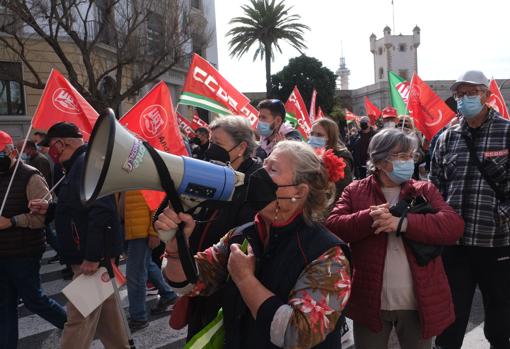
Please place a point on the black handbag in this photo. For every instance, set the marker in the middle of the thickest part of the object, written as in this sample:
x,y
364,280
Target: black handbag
x,y
424,253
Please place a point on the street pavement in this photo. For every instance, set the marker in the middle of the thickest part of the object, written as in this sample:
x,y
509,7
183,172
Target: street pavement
x,y
34,332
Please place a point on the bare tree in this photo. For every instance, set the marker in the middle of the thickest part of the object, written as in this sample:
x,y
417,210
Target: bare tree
x,y
123,44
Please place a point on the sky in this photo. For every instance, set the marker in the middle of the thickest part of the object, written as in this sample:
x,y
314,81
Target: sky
x,y
456,35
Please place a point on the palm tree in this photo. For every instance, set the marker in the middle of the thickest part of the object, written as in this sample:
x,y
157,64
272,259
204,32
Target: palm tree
x,y
265,23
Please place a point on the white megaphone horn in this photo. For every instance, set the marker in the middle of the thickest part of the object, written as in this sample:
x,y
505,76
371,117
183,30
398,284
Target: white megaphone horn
x,y
117,161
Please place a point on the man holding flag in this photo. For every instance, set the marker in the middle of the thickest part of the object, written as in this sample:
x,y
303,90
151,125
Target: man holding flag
x,y
470,166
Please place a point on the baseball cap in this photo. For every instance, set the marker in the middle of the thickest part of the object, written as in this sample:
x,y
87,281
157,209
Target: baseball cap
x,y
5,139
473,77
61,130
389,112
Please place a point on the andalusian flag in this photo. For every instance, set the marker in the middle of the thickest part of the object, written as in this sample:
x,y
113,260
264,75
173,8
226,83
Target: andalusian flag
x,y
399,92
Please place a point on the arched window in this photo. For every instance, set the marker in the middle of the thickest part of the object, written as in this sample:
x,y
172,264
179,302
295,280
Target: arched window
x,y
381,73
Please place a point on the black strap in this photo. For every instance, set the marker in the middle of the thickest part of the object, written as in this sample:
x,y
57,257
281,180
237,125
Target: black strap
x,y
474,157
401,221
185,256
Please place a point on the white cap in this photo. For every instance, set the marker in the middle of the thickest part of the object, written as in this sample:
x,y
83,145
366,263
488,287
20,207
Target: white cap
x,y
473,77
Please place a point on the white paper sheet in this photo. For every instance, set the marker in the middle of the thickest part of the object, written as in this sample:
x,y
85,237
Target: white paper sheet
x,y
87,292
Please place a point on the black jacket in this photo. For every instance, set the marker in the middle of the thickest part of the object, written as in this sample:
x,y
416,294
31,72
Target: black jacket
x,y
85,232
203,310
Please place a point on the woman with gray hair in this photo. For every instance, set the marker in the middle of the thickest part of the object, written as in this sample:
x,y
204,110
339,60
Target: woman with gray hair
x,y
394,284
232,143
289,287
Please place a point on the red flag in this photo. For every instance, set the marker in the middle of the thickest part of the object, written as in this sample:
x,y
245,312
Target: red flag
x,y
372,111
428,110
61,102
297,114
207,89
496,100
185,125
350,116
198,123
320,114
312,106
153,119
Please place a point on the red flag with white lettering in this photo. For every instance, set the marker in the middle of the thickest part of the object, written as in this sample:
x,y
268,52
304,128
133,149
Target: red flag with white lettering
x,y
372,111
320,114
185,125
312,106
297,114
61,102
153,119
207,89
198,123
496,100
429,111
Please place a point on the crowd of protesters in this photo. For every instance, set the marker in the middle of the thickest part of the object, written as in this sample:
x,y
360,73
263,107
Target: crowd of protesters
x,y
383,227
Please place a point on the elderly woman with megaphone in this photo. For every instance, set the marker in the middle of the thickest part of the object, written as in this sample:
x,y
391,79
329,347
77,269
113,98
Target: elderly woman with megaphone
x,y
290,285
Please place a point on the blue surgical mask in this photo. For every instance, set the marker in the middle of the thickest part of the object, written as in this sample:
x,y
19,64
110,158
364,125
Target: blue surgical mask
x,y
317,142
264,128
469,106
402,171
25,157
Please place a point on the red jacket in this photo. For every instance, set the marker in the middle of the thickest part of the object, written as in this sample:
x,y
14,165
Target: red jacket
x,y
351,221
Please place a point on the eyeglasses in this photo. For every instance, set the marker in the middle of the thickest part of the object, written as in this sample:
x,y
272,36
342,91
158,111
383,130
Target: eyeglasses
x,y
402,156
471,93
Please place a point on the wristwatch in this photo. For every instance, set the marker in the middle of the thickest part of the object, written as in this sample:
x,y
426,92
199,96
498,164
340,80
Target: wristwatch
x,y
13,222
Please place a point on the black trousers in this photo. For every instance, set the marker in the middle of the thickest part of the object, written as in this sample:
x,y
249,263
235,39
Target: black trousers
x,y
489,269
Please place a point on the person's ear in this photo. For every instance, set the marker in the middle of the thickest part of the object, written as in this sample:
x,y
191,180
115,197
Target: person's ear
x,y
302,190
242,148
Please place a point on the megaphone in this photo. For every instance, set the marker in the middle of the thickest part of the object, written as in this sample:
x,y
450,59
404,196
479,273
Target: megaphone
x,y
117,160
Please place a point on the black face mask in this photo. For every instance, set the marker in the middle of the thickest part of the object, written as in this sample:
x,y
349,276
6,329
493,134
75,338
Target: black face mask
x,y
363,125
5,163
261,190
216,153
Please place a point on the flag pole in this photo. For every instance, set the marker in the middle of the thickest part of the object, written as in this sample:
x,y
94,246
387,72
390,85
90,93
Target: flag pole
x,y
408,98
15,170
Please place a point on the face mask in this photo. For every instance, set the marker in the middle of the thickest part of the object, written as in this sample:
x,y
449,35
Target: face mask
x,y
389,124
215,153
363,125
54,154
5,163
402,171
317,142
25,157
470,107
195,140
264,128
261,190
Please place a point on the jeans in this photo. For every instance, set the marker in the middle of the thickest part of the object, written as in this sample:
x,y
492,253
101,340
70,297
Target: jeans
x,y
19,278
139,268
489,269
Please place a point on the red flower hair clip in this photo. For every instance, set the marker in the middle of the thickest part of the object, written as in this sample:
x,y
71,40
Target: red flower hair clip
x,y
334,164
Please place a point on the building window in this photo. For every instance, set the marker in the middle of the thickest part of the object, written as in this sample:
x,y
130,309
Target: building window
x,y
380,51
404,74
381,73
104,24
155,32
402,47
12,96
195,4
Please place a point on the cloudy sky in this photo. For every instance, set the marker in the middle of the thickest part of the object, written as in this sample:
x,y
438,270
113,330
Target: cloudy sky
x,y
456,35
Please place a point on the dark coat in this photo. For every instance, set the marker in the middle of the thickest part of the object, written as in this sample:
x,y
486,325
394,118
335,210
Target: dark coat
x,y
82,230
351,221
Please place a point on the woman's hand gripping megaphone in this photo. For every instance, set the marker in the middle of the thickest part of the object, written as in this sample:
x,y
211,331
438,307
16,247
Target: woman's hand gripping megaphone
x,y
167,224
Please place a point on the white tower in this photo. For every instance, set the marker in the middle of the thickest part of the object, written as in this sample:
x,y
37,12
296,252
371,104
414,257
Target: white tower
x,y
343,74
397,53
